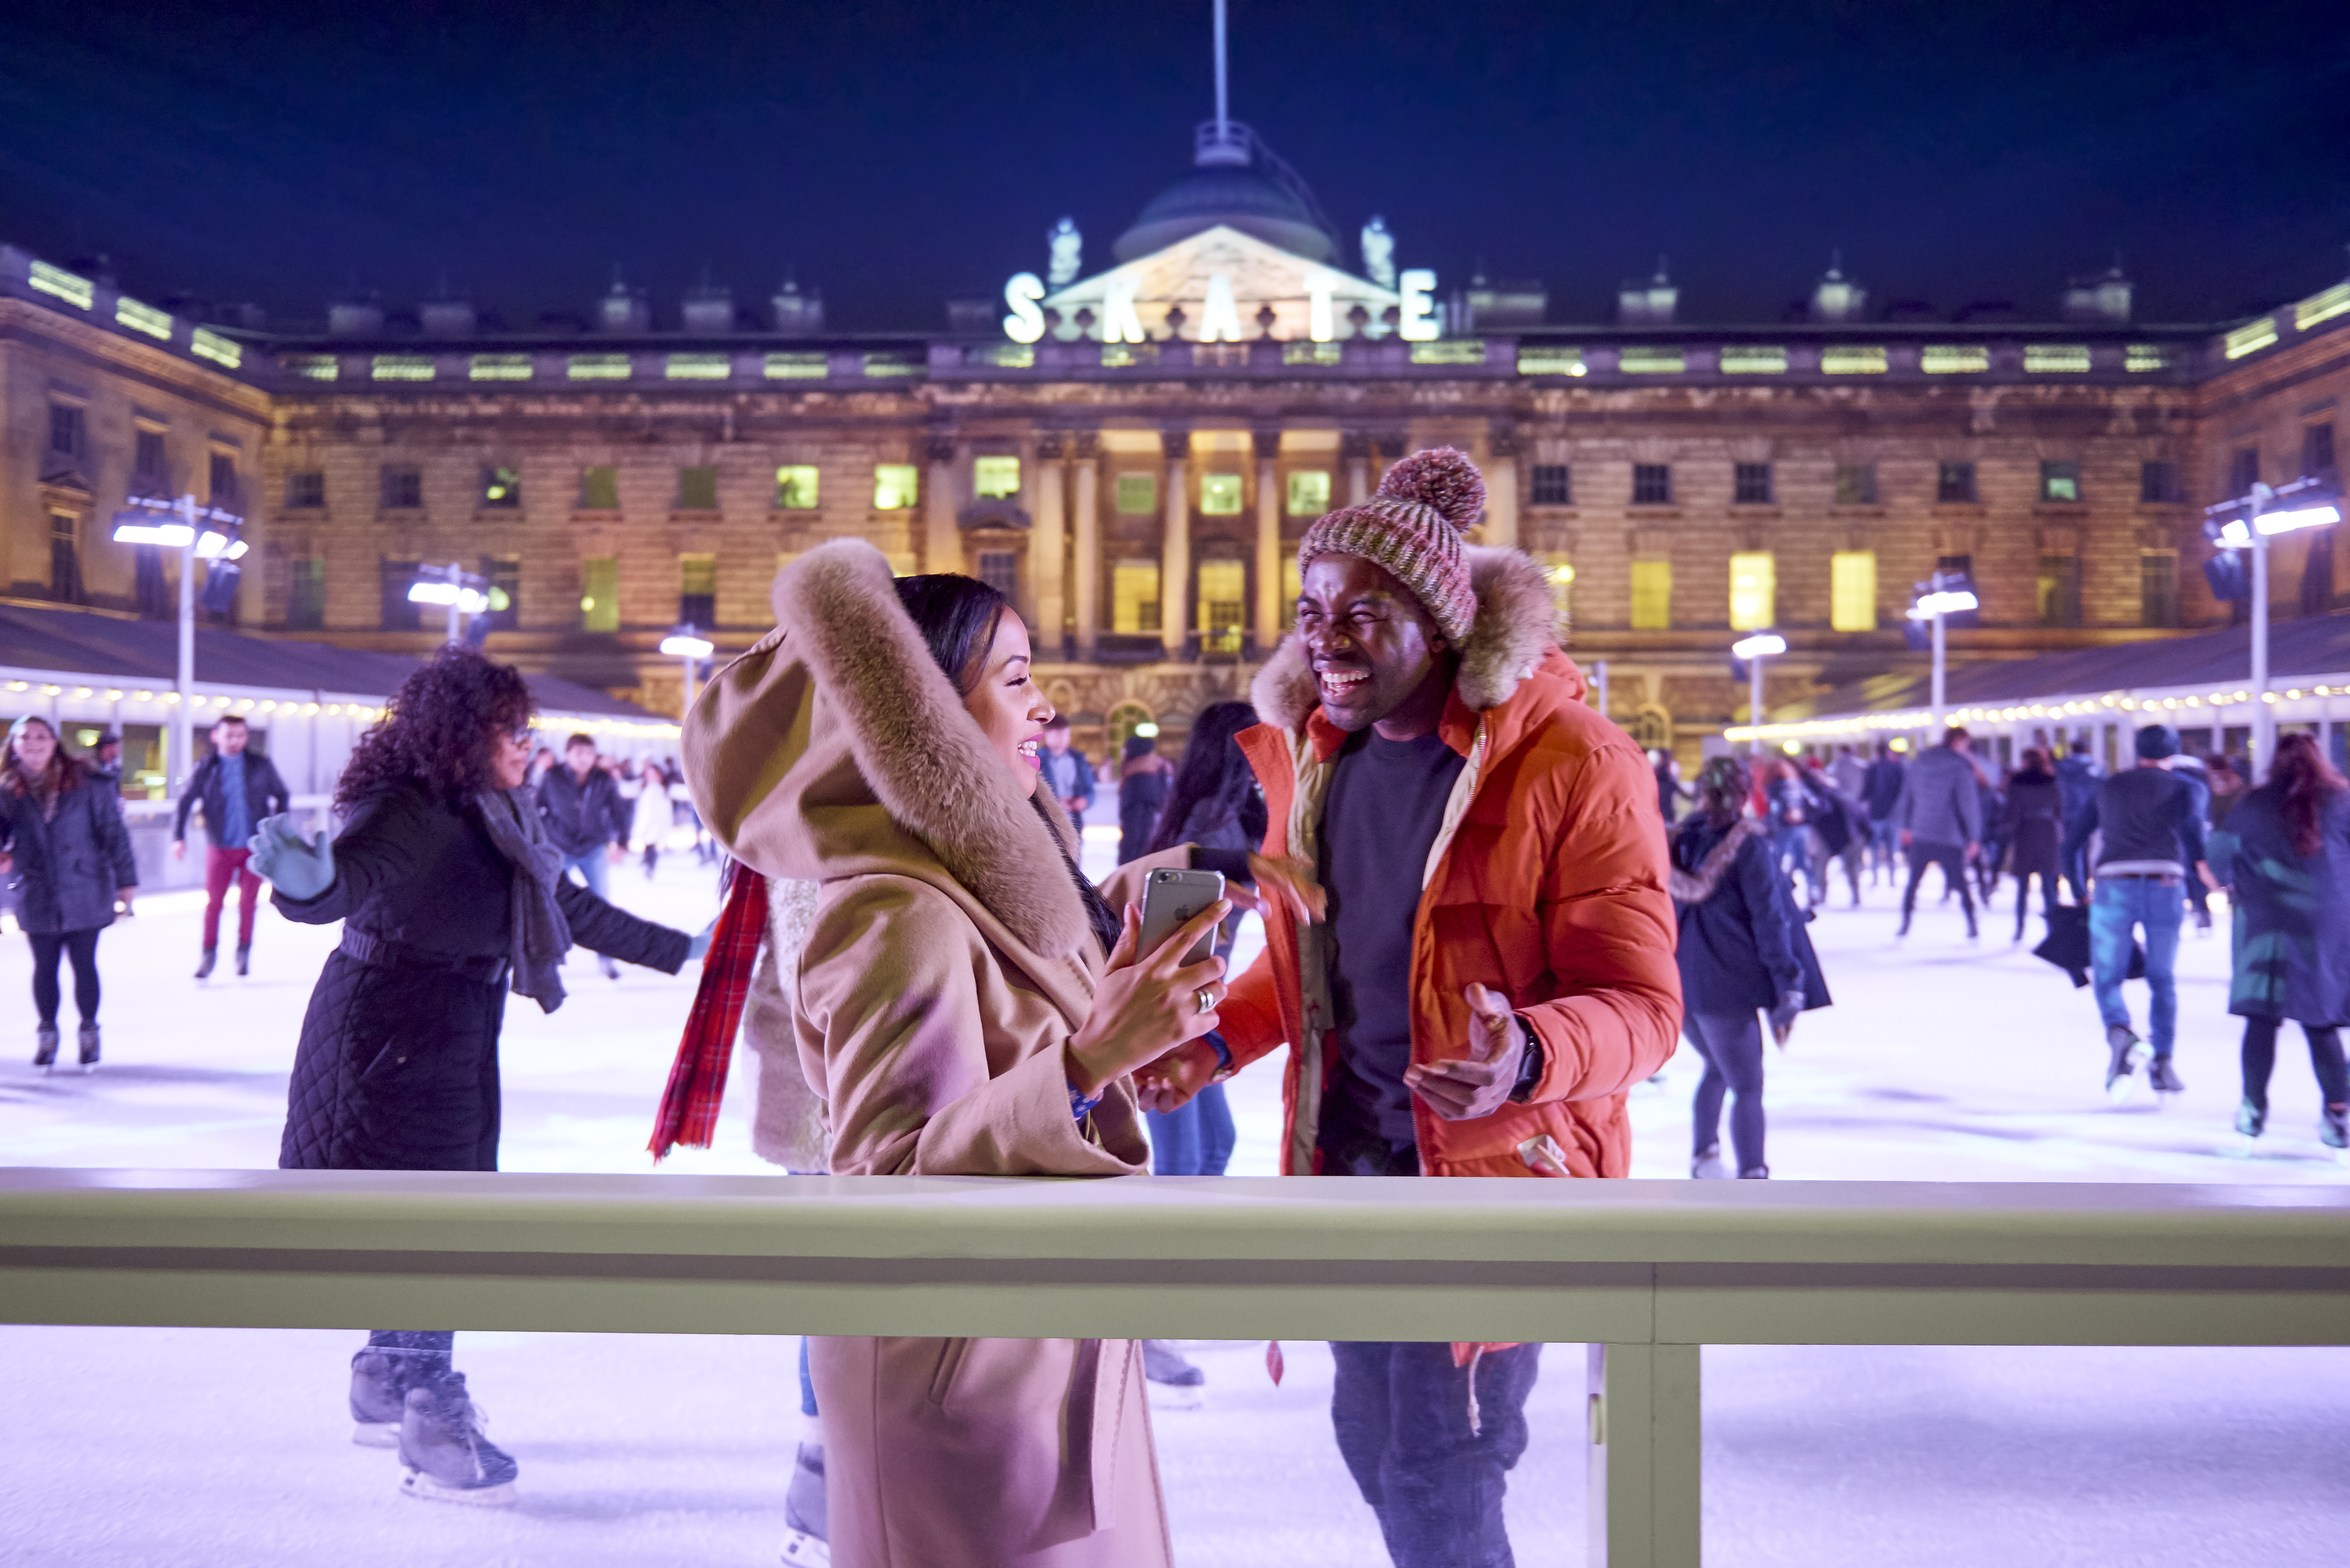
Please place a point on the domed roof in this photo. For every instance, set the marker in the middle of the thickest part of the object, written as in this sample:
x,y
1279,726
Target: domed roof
x,y
1244,196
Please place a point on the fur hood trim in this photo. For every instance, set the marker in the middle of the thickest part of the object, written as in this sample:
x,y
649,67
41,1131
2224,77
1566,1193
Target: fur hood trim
x,y
924,758
1517,622
1688,889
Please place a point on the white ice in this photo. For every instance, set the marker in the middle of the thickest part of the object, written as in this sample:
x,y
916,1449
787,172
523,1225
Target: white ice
x,y
1942,1059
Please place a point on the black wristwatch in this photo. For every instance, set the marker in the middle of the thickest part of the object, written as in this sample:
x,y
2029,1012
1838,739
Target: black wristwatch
x,y
1530,1065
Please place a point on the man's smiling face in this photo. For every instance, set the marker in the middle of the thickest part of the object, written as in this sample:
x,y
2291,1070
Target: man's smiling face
x,y
1369,641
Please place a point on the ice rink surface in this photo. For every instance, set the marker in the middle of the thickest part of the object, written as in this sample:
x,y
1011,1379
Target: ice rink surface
x,y
1942,1060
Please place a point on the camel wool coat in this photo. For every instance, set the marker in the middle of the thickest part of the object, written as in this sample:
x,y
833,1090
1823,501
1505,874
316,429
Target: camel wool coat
x,y
946,964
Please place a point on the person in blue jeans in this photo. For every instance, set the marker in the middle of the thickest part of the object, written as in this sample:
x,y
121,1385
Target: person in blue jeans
x,y
2150,826
586,818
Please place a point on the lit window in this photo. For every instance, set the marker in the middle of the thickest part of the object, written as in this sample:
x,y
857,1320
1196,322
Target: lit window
x,y
2251,338
599,489
2323,306
1753,359
699,367
1136,495
1560,572
1753,590
1652,484
597,367
896,486
1650,362
1855,484
312,367
697,489
1224,595
2060,481
501,487
1310,354
893,365
994,478
2060,590
1547,361
1458,351
404,368
1954,358
2057,359
1220,494
797,367
1751,484
402,489
305,490
796,487
1291,587
1553,485
2139,356
2159,483
306,595
1852,590
499,368
1652,596
143,318
71,287
1000,570
600,594
1954,482
697,590
1852,361
1309,492
1134,597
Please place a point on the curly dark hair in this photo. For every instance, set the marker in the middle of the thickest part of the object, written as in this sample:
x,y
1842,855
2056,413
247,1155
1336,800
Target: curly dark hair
x,y
438,728
1722,789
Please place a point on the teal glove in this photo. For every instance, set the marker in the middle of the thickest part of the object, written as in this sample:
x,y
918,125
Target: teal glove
x,y
701,942
299,870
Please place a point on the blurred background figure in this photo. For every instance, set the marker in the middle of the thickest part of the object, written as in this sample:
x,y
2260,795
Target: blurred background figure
x,y
2032,827
1789,809
2077,776
105,760
68,855
1993,801
1670,790
652,816
1880,791
543,762
586,818
1141,795
1848,772
1940,818
2228,784
1069,774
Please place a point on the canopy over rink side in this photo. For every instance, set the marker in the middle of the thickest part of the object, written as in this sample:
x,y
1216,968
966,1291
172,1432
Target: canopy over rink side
x,y
87,671
2200,686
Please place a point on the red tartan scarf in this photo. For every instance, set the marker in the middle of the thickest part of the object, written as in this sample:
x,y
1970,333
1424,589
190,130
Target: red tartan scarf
x,y
697,1079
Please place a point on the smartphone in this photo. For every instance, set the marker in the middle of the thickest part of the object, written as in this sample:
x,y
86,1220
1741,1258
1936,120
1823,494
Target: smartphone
x,y
1170,899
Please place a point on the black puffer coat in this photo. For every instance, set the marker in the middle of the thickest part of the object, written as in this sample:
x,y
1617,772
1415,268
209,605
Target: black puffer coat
x,y
2033,824
68,865
397,1066
2292,910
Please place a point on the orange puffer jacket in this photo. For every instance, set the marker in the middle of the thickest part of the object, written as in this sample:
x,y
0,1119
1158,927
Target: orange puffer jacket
x,y
1547,884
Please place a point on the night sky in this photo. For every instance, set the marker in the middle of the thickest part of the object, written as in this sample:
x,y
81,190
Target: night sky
x,y
894,154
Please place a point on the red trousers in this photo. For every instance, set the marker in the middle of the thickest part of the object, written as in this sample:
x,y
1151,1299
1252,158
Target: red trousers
x,y
222,866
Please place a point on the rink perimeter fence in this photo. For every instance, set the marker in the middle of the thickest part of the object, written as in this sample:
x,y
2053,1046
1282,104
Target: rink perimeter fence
x,y
1643,1272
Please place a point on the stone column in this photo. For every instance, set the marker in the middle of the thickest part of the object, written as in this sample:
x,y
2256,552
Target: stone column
x,y
942,497
1355,448
1087,566
1502,487
1268,540
1047,552
1175,548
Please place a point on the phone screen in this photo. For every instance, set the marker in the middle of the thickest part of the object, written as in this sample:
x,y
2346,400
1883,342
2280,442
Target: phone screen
x,y
1169,900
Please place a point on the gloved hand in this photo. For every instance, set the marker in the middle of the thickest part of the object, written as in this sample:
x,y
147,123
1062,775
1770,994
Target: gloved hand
x,y
701,942
299,870
1783,1017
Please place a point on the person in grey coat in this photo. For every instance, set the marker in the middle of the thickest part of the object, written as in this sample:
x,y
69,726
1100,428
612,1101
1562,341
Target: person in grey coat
x,y
1939,816
67,855
2284,857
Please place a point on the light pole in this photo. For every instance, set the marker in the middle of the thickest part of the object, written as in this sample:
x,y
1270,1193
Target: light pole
x,y
1941,597
690,646
198,533
1754,651
2247,522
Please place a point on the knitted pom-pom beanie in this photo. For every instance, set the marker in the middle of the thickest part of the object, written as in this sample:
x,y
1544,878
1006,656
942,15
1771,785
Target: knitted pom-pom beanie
x,y
1412,527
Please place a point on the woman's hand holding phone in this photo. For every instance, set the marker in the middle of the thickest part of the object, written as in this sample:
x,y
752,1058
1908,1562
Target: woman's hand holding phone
x,y
1147,1004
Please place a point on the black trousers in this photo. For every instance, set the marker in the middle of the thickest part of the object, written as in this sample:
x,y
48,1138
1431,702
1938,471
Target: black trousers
x,y
2022,894
1402,1411
81,947
2325,1056
1952,859
1731,1046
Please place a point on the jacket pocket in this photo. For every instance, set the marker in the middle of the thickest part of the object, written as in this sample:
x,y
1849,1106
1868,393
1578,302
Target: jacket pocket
x,y
952,1353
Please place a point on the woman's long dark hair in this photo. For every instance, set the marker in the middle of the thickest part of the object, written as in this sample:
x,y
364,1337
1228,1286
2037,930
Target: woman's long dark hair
x,y
957,617
1216,774
65,773
2304,782
439,728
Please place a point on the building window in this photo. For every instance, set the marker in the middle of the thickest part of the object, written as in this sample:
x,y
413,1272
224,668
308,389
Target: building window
x,y
306,595
600,594
1000,570
2060,590
1553,485
2243,470
2158,483
1652,596
1754,591
2060,481
64,558
2157,588
1292,586
994,478
401,489
2316,448
896,486
1134,597
2317,574
306,490
223,487
505,573
398,611
1855,484
1136,494
796,487
1852,590
697,489
1309,492
502,487
147,459
697,590
1220,494
1560,572
599,489
1751,484
1224,600
1652,484
1955,568
1954,482
67,429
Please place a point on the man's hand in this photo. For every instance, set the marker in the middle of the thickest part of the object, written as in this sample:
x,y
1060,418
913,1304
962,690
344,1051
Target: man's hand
x,y
1904,839
1784,1016
1169,1083
123,896
301,871
1462,1090
1974,852
178,849
617,853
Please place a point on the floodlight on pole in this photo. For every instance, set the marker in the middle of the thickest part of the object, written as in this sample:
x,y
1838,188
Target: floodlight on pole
x,y
2249,522
686,643
1753,651
1938,598
199,532
451,588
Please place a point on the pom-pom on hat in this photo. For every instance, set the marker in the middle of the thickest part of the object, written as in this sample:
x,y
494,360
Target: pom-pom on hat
x,y
1412,527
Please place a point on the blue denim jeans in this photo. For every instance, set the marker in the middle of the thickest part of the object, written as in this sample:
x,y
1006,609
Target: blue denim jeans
x,y
593,869
1195,1138
2119,904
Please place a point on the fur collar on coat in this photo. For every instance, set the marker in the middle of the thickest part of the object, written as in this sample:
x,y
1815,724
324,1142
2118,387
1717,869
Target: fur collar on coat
x,y
1517,622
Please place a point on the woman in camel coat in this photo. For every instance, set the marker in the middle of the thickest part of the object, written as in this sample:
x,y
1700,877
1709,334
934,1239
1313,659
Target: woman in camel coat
x,y
963,1004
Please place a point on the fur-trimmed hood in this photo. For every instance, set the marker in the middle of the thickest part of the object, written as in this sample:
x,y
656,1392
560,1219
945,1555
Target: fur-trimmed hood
x,y
1517,625
835,748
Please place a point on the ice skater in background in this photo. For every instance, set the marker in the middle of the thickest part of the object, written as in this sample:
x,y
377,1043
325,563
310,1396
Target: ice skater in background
x,y
236,787
451,894
68,856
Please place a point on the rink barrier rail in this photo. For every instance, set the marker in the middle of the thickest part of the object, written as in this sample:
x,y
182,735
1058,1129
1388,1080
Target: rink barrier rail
x,y
1643,1272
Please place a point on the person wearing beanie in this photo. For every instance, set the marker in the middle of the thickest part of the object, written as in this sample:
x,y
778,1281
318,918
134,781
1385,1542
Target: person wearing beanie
x,y
1491,967
2151,840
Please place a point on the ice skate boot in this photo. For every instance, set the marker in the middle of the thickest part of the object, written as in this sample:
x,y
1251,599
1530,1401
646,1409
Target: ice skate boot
x,y
45,1045
88,1045
1707,1166
2128,1055
2252,1120
448,1458
804,1540
243,961
1175,1383
379,1398
2165,1077
204,964
611,970
2333,1131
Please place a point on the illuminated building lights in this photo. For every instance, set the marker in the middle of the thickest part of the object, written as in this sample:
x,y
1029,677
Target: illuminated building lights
x,y
2250,337
1847,360
145,318
72,287
1954,358
1753,359
209,345
2055,358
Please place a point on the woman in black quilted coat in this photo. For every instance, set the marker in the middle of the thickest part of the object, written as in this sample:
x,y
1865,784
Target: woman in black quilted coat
x,y
450,894
68,856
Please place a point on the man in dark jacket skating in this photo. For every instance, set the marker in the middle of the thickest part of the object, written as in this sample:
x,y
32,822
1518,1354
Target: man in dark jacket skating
x,y
237,789
586,818
1939,816
1880,789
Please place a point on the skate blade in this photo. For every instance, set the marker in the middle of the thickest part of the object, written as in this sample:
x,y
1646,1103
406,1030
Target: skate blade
x,y
416,1484
1171,1397
804,1550
376,1434
2243,1148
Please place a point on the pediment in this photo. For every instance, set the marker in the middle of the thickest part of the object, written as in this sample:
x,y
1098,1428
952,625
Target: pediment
x,y
1257,273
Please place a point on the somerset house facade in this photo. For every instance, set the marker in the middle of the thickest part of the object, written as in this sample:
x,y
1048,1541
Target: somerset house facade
x,y
1131,439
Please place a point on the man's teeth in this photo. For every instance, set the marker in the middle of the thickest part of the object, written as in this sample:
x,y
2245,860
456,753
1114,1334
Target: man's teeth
x,y
1341,680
